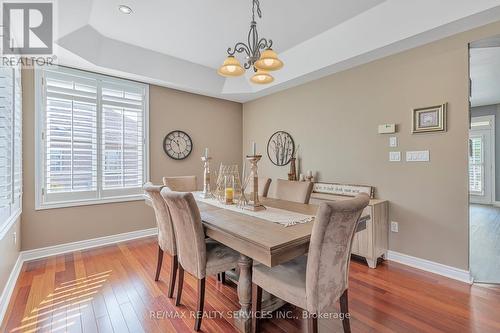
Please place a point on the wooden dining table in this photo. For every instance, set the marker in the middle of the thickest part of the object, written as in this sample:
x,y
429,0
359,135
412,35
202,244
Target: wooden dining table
x,y
257,240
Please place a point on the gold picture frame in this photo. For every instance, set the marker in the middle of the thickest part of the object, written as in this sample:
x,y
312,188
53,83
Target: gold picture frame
x,y
429,119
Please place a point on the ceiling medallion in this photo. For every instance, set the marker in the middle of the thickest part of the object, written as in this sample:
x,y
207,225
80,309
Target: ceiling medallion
x,y
261,62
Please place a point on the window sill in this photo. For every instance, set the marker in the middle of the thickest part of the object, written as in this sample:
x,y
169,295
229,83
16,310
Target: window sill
x,y
4,227
69,204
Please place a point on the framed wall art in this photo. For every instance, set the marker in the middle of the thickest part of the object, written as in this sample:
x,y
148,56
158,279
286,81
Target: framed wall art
x,y
280,148
429,119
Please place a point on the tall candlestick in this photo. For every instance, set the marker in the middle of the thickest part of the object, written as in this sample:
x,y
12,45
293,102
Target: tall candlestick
x,y
254,203
207,193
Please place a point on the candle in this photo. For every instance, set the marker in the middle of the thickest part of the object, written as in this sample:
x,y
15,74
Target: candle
x,y
309,173
229,192
254,148
206,152
301,177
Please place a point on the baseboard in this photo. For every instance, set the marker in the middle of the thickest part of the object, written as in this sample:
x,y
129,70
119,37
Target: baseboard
x,y
85,244
9,287
430,266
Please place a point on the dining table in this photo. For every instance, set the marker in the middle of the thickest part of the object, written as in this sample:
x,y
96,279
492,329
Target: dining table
x,y
256,240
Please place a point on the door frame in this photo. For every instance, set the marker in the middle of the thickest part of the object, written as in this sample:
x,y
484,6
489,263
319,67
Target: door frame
x,y
492,181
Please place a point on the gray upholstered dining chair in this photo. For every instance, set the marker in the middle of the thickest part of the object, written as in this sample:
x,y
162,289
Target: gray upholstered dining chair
x,y
197,255
181,183
316,281
166,237
293,190
264,184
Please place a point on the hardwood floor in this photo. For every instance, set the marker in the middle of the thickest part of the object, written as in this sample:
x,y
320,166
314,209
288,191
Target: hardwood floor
x,y
112,289
485,243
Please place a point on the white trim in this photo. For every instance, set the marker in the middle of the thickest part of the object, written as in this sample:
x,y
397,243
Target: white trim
x,y
430,266
9,287
5,227
65,204
86,244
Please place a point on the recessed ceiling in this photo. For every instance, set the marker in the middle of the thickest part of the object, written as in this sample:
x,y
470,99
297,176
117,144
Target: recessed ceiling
x,y
179,44
200,31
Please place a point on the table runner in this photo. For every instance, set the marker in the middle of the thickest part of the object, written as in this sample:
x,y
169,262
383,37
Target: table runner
x,y
284,217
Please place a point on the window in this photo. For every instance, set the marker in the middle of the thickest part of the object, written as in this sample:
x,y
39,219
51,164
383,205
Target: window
x,y
93,131
476,165
10,147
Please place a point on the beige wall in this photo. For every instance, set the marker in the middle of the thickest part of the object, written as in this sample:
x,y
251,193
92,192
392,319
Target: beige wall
x,y
9,252
210,122
335,120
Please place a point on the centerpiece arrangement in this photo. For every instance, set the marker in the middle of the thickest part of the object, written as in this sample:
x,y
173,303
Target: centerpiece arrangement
x,y
229,189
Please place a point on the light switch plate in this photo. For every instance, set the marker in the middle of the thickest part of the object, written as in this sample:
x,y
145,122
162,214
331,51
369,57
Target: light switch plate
x,y
394,156
418,156
393,141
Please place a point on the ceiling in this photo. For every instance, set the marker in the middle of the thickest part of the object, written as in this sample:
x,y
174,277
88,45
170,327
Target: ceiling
x,y
179,44
485,71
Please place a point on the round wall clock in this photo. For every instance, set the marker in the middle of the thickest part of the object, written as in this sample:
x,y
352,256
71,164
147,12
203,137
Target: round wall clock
x,y
177,145
280,148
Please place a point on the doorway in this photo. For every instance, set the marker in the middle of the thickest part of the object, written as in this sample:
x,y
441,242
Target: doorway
x,y
484,161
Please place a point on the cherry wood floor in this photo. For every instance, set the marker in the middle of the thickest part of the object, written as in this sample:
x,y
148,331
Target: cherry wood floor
x,y
112,289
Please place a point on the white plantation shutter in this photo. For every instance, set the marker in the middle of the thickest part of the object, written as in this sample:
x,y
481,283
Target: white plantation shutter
x,y
18,138
6,140
70,137
476,165
122,140
94,136
10,144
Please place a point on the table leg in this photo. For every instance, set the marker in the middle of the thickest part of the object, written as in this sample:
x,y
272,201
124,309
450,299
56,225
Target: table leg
x,y
244,320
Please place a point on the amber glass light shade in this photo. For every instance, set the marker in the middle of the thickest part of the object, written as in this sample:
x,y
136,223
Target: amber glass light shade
x,y
262,77
269,61
231,67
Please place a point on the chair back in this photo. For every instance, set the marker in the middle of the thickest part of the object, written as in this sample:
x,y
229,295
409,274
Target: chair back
x,y
166,237
293,190
181,183
189,234
330,251
264,184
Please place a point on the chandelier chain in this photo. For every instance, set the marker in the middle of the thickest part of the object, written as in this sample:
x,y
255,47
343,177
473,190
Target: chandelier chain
x,y
256,4
252,49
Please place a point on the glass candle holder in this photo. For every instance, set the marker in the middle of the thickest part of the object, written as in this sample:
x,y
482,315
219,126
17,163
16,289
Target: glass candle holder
x,y
229,189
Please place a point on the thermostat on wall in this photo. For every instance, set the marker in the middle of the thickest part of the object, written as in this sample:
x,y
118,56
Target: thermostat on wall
x,y
387,128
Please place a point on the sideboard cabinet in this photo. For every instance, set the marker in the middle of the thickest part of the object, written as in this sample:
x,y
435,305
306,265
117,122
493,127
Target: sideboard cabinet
x,y
371,238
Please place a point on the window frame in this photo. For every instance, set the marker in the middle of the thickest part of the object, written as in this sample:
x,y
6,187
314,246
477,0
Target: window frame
x,y
16,206
40,143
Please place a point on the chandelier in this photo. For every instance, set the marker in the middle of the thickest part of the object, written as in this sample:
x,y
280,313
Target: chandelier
x,y
261,62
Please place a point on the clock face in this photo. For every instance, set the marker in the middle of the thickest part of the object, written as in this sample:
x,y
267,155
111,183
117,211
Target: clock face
x,y
177,145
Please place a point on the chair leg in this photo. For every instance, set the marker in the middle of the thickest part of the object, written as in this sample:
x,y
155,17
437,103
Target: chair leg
x,y
158,264
223,277
180,282
199,306
312,324
256,307
344,310
174,264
